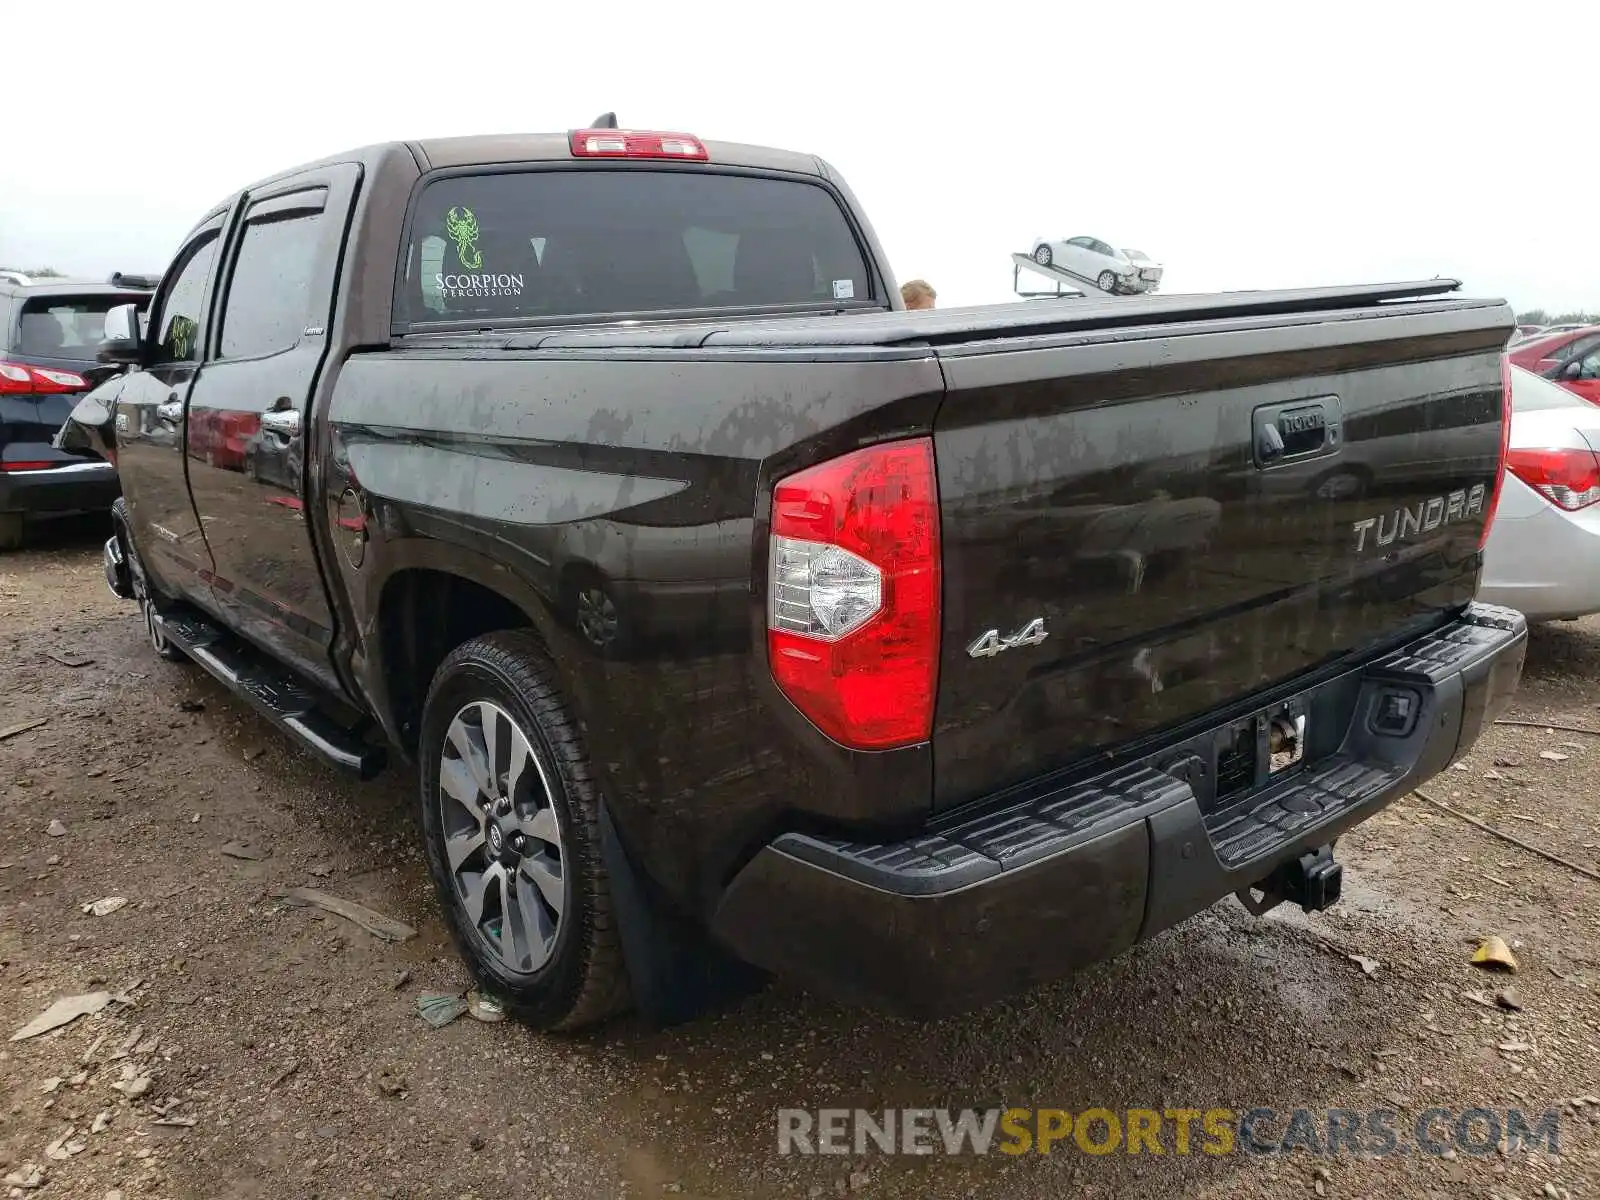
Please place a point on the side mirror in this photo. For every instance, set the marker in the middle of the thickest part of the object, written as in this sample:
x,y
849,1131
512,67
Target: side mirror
x,y
1573,369
124,336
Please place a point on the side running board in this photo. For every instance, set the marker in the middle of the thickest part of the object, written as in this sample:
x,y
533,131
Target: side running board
x,y
273,691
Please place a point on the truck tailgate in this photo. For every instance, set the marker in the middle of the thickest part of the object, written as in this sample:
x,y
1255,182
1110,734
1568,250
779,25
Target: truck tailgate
x,y
1147,524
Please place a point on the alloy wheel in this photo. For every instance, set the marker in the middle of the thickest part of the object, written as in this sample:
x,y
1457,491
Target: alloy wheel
x,y
503,836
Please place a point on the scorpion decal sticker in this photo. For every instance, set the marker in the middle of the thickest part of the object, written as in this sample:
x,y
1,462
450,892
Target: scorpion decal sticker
x,y
180,336
462,227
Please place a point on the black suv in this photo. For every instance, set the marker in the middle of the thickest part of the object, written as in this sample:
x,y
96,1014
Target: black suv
x,y
50,330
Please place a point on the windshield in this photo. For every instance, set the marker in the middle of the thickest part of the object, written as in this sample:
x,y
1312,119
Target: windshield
x,y
1529,393
68,327
1139,254
552,245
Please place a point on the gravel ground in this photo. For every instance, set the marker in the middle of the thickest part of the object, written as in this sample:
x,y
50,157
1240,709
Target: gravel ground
x,y
290,1039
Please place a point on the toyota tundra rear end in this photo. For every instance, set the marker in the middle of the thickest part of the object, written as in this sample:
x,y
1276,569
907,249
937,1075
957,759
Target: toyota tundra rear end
x,y
1174,592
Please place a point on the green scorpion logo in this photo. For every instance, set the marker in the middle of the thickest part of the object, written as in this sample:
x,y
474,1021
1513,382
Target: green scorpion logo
x,y
462,227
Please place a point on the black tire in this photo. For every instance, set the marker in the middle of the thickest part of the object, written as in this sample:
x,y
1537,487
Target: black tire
x,y
1107,281
1043,255
11,531
583,980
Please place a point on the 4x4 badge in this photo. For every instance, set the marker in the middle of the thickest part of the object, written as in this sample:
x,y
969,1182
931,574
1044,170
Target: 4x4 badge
x,y
991,643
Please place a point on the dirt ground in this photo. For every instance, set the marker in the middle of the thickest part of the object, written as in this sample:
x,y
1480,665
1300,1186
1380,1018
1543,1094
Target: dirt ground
x,y
290,1037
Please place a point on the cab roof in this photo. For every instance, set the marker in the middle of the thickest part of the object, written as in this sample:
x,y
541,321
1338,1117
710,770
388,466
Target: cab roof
x,y
497,149
57,286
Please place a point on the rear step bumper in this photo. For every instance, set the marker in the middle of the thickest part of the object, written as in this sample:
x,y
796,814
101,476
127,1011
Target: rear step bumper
x,y
272,690
1026,892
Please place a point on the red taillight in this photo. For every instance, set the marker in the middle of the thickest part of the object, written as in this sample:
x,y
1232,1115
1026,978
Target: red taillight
x,y
22,379
1568,478
632,143
853,594
29,465
1505,449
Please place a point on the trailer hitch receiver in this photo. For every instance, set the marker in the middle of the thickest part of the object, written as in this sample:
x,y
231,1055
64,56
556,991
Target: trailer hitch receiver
x,y
1313,881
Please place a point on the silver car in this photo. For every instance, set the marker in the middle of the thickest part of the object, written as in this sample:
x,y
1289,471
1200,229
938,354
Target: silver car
x,y
1127,272
1543,554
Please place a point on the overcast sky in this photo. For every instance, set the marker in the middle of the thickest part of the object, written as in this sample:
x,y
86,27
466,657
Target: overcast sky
x,y
1242,145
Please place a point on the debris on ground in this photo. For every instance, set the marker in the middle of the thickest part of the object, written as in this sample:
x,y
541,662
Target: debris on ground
x,y
322,870
11,731
1553,755
440,1008
191,706
284,1074
1369,966
402,979
105,907
246,849
485,1008
65,1146
102,1122
63,1012
134,1082
1508,999
391,1083
27,1177
1494,954
56,828
128,1043
68,658
375,923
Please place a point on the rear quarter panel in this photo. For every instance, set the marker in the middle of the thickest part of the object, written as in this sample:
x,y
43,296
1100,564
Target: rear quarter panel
x,y
647,472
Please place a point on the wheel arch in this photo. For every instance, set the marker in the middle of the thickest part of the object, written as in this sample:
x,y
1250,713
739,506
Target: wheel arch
x,y
426,606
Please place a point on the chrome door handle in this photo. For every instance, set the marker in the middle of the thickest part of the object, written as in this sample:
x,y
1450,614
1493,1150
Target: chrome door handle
x,y
286,422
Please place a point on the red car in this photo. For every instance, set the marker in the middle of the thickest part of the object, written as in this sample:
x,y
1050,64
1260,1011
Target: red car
x,y
1571,359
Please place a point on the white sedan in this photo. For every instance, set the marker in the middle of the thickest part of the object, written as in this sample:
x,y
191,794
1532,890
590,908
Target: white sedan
x,y
1125,271
1543,556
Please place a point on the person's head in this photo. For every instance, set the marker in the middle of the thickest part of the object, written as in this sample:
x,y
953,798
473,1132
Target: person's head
x,y
918,293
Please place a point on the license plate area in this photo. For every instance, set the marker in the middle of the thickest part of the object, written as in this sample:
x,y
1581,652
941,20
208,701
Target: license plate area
x,y
1260,749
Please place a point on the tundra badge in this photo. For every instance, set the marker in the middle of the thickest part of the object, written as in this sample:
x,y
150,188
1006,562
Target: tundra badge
x,y
1422,517
991,643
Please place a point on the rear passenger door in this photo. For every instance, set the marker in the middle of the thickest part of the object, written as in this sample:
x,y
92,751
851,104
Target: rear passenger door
x,y
250,415
150,425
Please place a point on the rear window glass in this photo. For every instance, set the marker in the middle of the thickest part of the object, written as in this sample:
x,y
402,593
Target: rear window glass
x,y
70,327
549,245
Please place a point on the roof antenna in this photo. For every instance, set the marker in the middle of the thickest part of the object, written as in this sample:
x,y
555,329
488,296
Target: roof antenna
x,y
604,121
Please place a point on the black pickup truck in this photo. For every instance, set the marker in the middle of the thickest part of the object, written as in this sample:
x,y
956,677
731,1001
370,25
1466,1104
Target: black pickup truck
x,y
731,614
